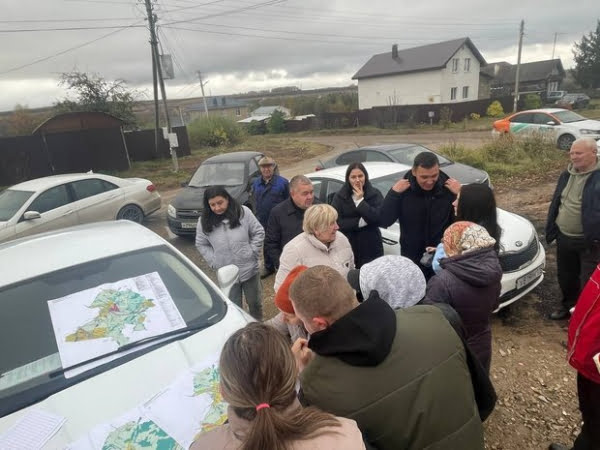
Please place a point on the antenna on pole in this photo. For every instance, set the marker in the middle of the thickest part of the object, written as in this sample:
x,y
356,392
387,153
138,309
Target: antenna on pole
x,y
554,45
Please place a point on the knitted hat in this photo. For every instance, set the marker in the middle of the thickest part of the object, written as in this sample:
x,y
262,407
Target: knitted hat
x,y
463,237
282,298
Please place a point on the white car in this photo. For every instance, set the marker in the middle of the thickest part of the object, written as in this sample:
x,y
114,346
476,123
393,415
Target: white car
x,y
522,256
98,354
59,201
561,125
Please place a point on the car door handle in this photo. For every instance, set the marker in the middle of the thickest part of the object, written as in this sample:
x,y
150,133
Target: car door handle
x,y
69,212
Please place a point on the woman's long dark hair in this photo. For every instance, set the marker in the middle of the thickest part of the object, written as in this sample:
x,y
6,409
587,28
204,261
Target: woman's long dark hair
x,y
257,367
478,204
351,167
210,220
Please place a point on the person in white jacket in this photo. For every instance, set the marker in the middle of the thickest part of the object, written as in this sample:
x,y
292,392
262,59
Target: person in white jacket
x,y
320,244
228,233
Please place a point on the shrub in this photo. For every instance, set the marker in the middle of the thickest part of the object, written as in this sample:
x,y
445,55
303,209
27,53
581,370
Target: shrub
x,y
445,116
276,123
214,132
495,109
474,116
532,101
255,127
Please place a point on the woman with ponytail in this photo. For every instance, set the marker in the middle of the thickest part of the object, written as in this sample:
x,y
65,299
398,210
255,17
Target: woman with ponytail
x,y
258,380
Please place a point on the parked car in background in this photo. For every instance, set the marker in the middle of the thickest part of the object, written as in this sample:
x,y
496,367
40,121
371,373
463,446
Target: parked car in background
x,y
98,320
560,125
573,101
553,96
234,170
522,256
404,153
59,201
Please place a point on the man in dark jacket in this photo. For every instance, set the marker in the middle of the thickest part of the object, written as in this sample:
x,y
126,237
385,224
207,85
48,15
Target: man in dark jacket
x,y
401,375
268,190
422,204
574,221
285,220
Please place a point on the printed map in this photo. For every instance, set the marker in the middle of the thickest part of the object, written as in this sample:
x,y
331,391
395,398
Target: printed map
x,y
207,382
140,435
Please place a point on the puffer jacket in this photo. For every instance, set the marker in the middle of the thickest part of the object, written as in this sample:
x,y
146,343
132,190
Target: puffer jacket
x,y
470,283
305,249
365,241
240,246
402,375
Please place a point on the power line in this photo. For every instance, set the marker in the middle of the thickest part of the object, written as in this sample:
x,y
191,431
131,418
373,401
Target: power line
x,y
231,11
29,30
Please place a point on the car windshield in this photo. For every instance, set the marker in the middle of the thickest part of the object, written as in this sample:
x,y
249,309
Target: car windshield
x,y
11,201
568,116
31,332
406,155
384,184
219,174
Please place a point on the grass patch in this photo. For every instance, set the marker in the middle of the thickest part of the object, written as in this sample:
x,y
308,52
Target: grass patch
x,y
507,157
286,151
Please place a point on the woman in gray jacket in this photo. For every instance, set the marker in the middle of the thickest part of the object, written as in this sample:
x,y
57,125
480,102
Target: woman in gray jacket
x,y
228,233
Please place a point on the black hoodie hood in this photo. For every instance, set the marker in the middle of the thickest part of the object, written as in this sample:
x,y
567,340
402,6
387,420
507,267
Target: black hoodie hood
x,y
363,337
478,268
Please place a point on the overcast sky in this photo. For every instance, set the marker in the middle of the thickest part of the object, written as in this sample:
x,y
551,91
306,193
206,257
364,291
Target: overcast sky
x,y
244,45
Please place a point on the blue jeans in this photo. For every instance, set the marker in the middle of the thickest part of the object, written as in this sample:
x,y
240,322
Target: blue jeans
x,y
252,289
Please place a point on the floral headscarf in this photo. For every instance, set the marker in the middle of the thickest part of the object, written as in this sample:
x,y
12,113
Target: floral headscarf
x,y
463,237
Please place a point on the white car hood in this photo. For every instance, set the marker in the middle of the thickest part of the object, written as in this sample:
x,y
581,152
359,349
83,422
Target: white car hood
x,y
517,232
588,124
109,395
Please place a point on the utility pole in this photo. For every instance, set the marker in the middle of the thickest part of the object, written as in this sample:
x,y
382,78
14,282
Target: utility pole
x,y
157,72
202,88
154,76
521,32
554,45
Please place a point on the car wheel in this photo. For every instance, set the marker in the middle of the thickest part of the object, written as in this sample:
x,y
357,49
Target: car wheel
x,y
565,141
131,212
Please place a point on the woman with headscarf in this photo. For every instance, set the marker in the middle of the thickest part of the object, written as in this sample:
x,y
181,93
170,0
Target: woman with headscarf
x,y
470,283
320,244
395,279
357,204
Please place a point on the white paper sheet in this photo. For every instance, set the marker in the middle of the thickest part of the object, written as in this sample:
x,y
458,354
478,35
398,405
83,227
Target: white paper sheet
x,y
31,431
98,320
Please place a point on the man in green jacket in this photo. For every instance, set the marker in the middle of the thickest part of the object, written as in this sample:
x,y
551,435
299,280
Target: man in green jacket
x,y
402,375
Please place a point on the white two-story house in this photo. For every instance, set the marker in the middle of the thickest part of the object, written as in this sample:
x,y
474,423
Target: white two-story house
x,y
445,72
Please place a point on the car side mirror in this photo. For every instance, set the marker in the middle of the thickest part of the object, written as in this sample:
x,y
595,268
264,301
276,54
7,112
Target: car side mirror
x,y
227,276
551,122
184,184
30,215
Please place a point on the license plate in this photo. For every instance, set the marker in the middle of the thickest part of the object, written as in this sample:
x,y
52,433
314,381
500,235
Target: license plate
x,y
189,224
528,278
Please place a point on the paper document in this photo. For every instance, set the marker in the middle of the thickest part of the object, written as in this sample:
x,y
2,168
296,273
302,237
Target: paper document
x,y
31,431
99,320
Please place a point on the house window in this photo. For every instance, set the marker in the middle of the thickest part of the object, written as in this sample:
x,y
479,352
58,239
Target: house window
x,y
238,112
465,91
467,64
455,65
453,93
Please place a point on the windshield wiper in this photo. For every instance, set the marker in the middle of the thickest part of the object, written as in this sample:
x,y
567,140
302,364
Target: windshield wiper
x,y
131,345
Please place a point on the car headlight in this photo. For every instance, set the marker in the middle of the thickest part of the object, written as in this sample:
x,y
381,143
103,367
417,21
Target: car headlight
x,y
589,131
171,211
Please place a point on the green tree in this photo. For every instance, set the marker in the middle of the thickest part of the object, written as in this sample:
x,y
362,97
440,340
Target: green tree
x,y
587,59
495,109
276,123
532,101
94,93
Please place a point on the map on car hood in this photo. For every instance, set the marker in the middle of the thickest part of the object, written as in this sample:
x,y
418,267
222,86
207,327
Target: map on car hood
x,y
99,320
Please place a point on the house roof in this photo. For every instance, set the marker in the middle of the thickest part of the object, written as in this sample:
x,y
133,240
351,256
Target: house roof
x,y
504,73
268,110
216,103
416,59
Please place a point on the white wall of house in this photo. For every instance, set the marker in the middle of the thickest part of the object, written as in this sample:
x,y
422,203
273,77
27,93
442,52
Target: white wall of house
x,y
404,89
460,78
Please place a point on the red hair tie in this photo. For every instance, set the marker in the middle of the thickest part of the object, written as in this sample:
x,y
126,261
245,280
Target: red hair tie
x,y
262,406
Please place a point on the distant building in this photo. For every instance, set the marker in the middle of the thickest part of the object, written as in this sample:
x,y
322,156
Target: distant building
x,y
217,106
268,110
445,72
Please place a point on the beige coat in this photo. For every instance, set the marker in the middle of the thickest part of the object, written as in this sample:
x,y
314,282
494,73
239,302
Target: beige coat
x,y
307,250
226,437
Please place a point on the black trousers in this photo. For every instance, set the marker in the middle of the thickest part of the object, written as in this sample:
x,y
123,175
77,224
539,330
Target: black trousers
x,y
589,405
576,260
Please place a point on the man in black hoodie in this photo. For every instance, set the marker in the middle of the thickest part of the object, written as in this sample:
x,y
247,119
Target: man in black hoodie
x,y
422,204
402,375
